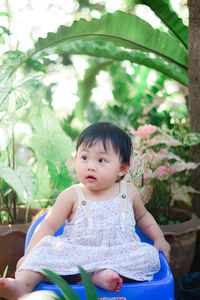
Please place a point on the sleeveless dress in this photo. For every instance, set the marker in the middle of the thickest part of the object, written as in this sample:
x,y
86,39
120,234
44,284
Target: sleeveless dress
x,y
100,236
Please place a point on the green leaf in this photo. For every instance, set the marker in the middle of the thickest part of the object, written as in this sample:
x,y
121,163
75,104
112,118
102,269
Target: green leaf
x,y
5,272
63,286
60,178
4,217
162,218
22,180
119,29
2,40
49,140
5,30
13,94
88,284
169,17
107,50
138,166
191,139
42,295
182,193
4,14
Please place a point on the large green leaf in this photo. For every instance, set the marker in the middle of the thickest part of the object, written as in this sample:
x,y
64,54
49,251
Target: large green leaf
x,y
88,284
49,140
42,295
22,180
63,286
169,17
121,29
107,50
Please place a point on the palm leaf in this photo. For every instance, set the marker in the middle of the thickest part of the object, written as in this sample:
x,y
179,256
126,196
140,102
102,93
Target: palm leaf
x,y
169,17
107,50
88,284
121,29
63,286
118,31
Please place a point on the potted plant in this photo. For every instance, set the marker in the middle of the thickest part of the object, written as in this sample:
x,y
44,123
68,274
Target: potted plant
x,y
18,183
29,168
161,172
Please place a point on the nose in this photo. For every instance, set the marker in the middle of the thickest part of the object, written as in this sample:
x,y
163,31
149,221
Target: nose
x,y
91,167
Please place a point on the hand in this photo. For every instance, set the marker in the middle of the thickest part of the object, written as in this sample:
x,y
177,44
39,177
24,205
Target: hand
x,y
20,261
162,245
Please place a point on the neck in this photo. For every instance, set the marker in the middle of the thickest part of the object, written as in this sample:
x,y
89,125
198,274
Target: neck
x,y
102,194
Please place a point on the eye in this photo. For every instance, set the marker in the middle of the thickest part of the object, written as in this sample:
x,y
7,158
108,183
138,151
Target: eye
x,y
84,157
101,160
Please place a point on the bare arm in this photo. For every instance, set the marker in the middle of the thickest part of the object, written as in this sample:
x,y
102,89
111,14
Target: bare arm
x,y
147,224
55,217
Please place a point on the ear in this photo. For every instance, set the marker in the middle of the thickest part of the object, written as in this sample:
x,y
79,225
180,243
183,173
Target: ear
x,y
75,156
123,169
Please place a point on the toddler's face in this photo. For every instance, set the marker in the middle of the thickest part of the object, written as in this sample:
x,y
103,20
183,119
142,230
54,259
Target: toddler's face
x,y
97,167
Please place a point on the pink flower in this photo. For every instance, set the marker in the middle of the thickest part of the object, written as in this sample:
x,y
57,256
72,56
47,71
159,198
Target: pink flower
x,y
144,131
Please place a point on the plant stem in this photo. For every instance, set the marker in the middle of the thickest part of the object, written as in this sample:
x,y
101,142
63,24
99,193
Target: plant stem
x,y
8,154
142,183
7,207
13,150
13,194
27,212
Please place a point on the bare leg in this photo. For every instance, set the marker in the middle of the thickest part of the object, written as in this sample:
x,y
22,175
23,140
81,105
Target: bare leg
x,y
23,284
108,279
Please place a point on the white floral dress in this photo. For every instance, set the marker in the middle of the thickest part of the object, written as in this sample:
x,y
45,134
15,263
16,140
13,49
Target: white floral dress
x,y
101,235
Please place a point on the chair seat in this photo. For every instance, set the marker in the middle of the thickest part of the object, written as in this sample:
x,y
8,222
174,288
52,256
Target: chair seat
x,y
161,287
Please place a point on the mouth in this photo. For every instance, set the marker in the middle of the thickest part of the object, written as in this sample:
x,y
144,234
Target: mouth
x,y
91,178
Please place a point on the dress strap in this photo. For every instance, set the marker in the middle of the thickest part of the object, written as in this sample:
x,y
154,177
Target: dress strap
x,y
82,201
123,194
123,204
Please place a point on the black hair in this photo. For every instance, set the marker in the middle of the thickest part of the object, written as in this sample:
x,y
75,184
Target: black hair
x,y
107,132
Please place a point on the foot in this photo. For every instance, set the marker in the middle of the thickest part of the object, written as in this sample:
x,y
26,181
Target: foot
x,y
108,279
12,289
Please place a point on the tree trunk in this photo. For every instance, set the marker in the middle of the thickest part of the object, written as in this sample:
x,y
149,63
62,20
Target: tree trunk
x,y
194,91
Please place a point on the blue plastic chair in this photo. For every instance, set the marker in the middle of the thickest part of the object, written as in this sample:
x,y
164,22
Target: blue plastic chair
x,y
161,287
